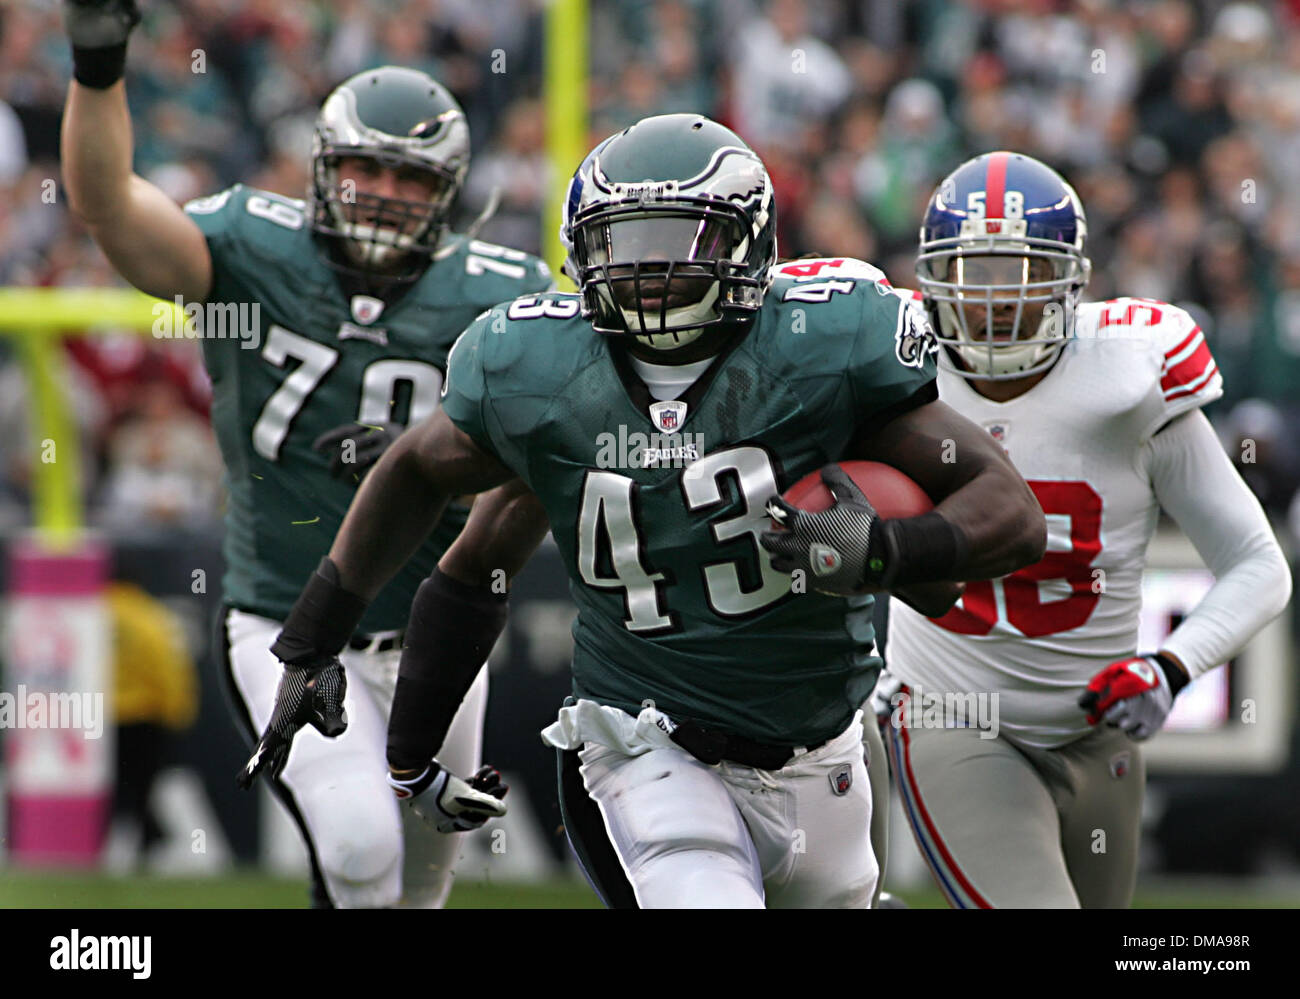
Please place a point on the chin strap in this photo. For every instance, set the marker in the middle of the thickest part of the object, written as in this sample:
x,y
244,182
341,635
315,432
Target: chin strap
x,y
472,231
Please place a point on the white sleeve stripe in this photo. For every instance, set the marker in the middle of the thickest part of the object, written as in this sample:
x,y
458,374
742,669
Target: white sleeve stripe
x,y
1172,359
1191,388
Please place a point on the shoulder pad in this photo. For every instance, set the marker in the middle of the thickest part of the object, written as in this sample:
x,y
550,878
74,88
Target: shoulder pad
x,y
238,207
1185,373
490,273
829,267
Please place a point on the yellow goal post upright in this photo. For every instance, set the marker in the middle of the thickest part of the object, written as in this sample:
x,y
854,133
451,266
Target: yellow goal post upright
x,y
565,90
55,692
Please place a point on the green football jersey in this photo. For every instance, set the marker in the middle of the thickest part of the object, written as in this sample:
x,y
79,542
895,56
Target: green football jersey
x,y
657,507
291,356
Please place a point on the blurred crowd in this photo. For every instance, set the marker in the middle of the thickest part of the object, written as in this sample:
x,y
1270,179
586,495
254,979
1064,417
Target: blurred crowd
x,y
1177,121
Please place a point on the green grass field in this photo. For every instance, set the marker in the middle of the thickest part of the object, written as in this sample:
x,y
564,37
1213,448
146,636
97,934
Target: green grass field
x,y
250,890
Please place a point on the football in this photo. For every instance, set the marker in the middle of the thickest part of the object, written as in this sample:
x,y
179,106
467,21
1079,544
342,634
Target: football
x,y
891,492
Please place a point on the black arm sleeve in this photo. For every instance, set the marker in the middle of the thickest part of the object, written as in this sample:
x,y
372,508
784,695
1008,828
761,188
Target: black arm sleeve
x,y
321,621
452,628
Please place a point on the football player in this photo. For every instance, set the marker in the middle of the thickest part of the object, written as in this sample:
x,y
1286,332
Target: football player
x,y
340,312
712,753
1099,406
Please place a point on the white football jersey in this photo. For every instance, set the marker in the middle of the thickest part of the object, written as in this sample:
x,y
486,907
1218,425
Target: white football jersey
x,y
1038,635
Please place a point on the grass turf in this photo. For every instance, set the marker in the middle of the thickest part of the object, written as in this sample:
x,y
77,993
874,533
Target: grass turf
x,y
251,890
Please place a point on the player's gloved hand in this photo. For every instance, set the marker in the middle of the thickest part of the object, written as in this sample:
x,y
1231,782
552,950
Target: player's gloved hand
x,y
882,698
844,549
369,441
1134,694
97,24
312,688
307,695
448,803
98,30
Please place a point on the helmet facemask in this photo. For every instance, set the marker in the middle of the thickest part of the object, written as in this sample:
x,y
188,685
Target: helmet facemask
x,y
388,237
664,271
1005,307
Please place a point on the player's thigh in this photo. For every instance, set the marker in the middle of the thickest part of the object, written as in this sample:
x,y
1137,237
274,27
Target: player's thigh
x,y
431,856
677,833
827,795
983,818
1101,823
337,784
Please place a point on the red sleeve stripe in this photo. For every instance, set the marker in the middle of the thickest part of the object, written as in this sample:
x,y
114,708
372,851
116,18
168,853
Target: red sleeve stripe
x,y
1195,386
1186,363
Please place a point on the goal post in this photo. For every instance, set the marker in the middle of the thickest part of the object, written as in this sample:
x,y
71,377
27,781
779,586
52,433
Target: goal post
x,y
56,696
565,87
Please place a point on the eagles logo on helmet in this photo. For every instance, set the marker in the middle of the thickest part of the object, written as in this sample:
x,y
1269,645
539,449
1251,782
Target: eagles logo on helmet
x,y
670,228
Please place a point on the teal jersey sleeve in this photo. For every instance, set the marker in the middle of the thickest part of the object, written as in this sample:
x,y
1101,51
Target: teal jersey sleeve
x,y
508,371
255,239
464,400
889,375
214,214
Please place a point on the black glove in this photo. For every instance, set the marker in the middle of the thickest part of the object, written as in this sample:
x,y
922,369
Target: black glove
x,y
369,441
313,685
307,695
843,549
98,30
450,804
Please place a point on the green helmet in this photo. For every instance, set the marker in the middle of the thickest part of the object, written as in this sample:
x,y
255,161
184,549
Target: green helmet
x,y
671,230
400,118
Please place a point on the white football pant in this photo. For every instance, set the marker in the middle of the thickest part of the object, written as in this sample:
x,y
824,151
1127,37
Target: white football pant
x,y
370,852
689,835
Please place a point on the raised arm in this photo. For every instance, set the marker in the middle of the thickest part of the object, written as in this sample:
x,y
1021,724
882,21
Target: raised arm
x,y
145,235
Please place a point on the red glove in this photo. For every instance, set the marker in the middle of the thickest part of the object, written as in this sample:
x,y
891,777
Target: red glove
x,y
1134,694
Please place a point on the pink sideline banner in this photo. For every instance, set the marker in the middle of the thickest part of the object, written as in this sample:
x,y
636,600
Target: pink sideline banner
x,y
56,703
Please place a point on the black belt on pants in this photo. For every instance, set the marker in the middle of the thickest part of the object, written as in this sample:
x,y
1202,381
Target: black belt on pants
x,y
712,747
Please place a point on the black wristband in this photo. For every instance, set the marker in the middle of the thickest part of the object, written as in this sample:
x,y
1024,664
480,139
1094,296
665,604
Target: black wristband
x,y
921,549
322,620
99,68
451,631
1173,673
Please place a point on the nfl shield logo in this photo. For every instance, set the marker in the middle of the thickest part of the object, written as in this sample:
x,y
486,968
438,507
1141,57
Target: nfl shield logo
x,y
1119,764
842,780
668,416
365,309
998,431
825,559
